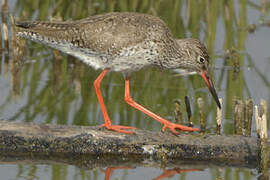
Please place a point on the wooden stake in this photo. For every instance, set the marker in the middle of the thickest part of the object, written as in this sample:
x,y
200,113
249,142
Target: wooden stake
x,y
202,114
263,110
238,116
248,117
178,112
189,113
264,153
258,121
264,160
263,133
219,117
264,7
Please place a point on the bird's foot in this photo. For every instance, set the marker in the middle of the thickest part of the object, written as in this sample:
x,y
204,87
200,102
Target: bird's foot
x,y
119,128
173,127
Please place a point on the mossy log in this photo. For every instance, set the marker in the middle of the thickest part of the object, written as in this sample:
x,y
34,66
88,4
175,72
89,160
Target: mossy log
x,y
68,142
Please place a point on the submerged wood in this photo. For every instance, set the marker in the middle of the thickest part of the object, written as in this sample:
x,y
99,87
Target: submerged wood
x,y
16,138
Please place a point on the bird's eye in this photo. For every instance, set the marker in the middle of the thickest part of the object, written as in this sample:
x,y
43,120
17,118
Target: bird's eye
x,y
201,59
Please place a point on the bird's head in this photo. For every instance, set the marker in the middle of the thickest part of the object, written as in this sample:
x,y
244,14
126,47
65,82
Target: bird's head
x,y
196,59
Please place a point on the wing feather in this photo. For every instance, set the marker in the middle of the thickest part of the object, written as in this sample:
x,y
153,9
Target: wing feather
x,y
104,34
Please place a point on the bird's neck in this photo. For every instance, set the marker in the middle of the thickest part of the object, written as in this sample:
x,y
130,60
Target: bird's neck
x,y
174,58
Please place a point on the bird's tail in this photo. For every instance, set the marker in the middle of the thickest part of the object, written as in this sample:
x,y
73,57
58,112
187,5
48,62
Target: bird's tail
x,y
43,32
25,25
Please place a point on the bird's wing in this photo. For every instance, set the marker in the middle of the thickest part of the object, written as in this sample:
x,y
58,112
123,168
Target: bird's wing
x,y
104,34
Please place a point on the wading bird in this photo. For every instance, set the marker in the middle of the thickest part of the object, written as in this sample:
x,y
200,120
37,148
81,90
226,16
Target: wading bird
x,y
123,42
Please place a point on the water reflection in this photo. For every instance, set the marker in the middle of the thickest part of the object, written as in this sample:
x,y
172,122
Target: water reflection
x,y
38,84
105,167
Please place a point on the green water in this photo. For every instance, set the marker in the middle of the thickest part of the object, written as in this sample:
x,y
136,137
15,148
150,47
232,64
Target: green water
x,y
41,85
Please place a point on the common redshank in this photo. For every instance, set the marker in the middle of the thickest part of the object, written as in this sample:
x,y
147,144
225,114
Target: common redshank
x,y
123,42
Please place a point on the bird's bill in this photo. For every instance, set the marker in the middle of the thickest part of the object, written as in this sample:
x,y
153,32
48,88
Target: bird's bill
x,y
210,86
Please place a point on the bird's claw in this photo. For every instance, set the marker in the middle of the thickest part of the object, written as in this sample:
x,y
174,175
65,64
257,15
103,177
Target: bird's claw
x,y
173,127
119,128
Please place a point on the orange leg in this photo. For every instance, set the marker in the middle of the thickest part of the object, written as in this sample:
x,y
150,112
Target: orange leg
x,y
166,123
108,123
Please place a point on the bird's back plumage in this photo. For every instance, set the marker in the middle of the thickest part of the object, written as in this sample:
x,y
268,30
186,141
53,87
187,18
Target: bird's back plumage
x,y
97,40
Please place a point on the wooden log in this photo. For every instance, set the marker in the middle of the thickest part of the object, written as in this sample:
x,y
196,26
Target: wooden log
x,y
45,139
